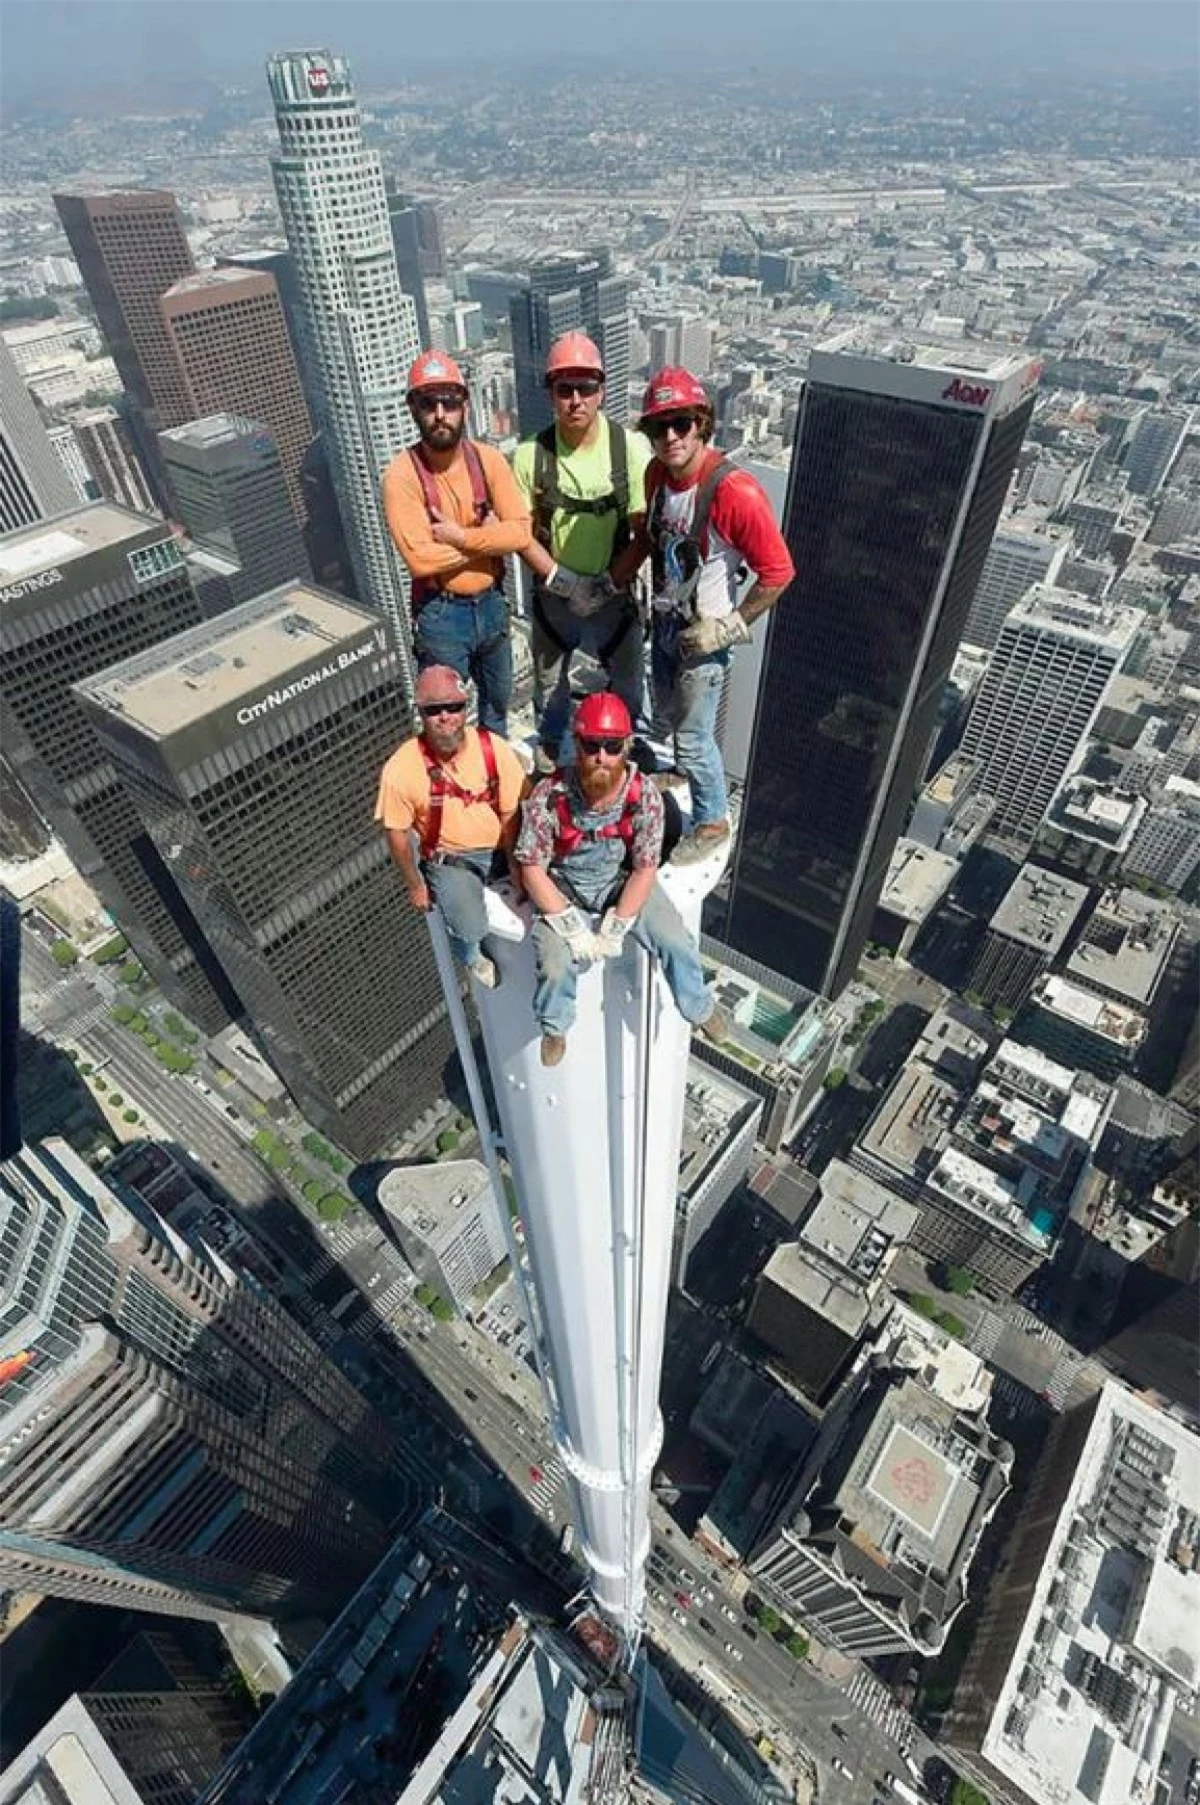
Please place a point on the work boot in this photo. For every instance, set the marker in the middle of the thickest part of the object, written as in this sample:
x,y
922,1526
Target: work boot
x,y
700,842
545,759
554,1047
484,971
716,1027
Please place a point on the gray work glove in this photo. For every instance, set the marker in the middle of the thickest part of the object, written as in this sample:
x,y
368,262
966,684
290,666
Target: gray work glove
x,y
584,596
609,943
570,925
712,633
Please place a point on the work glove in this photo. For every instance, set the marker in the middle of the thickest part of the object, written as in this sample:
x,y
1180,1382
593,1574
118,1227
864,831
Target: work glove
x,y
571,926
712,633
584,596
610,941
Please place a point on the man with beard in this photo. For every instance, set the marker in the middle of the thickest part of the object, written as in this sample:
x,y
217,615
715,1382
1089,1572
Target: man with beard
x,y
454,513
460,787
584,481
590,843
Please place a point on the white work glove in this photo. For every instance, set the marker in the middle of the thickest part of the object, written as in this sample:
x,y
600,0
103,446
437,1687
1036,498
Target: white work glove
x,y
584,596
712,633
610,941
570,925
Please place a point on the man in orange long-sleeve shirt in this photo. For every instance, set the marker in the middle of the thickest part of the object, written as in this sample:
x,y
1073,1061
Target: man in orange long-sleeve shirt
x,y
454,512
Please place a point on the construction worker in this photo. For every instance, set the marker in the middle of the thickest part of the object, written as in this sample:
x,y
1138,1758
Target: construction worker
x,y
454,512
706,519
460,787
590,843
583,479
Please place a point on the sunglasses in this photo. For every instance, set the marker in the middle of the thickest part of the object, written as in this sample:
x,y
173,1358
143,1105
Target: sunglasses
x,y
585,385
590,747
429,404
431,709
680,424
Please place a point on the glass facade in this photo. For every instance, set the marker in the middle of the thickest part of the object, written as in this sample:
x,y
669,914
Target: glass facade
x,y
890,511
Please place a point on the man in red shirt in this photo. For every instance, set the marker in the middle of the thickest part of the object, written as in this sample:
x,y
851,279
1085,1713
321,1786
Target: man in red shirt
x,y
705,520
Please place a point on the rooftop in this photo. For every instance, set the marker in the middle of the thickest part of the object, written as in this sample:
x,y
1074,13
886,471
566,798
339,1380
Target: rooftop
x,y
1074,616
1126,946
427,1199
1099,1015
916,880
214,429
992,363
1096,811
52,543
1040,909
210,280
228,660
68,1762
1109,1640
856,1222
798,1270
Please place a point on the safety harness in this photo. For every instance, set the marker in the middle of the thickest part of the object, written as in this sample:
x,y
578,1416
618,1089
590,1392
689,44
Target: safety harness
x,y
548,498
570,836
676,559
425,588
441,785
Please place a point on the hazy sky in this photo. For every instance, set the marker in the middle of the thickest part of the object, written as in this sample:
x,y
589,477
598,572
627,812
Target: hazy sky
x,y
87,44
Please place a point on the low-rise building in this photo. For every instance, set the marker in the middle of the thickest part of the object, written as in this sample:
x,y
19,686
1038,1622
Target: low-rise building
x,y
1125,950
873,1538
1166,847
1029,930
917,880
720,1125
1089,827
783,1040
819,1295
1075,1025
1087,1638
447,1223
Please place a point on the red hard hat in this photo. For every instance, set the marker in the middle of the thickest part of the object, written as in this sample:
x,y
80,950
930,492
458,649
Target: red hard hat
x,y
670,389
574,351
603,713
434,370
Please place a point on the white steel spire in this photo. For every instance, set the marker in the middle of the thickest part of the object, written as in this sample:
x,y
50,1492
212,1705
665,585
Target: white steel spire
x,y
594,1148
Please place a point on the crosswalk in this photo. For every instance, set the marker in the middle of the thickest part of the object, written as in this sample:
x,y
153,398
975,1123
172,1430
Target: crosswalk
x,y
543,1493
1029,1324
1016,1398
874,1700
985,1334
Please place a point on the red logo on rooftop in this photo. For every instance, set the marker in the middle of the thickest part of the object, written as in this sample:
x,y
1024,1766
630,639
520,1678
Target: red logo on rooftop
x,y
971,394
318,80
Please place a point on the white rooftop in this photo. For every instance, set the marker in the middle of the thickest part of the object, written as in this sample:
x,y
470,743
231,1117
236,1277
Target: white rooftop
x,y
52,543
916,880
1115,1612
1112,1021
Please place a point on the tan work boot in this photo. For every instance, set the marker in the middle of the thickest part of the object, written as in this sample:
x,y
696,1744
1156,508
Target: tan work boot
x,y
484,971
715,1027
700,843
554,1047
545,759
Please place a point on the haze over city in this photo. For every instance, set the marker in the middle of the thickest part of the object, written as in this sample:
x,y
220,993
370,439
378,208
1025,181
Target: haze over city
x,y
599,903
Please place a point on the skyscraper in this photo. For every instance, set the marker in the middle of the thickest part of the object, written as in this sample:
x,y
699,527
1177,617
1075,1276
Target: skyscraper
x,y
231,493
33,482
112,461
76,594
227,329
130,247
1017,559
1055,657
252,746
359,329
169,1438
405,222
569,293
900,469
1151,450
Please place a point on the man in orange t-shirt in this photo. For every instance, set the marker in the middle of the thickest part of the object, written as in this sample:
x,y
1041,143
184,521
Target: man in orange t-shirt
x,y
460,789
454,512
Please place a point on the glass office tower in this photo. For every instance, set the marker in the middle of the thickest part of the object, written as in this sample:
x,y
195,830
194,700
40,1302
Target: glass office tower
x,y
902,461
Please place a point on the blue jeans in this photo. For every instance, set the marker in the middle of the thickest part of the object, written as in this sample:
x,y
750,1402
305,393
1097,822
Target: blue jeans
x,y
456,886
659,928
687,694
472,637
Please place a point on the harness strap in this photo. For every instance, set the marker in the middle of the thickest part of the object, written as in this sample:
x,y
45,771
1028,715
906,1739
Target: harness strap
x,y
549,499
481,505
570,835
441,785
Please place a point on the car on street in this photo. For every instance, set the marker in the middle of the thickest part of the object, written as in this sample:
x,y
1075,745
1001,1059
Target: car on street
x,y
683,1599
706,1625
678,1614
536,1474
730,1616
839,1731
841,1768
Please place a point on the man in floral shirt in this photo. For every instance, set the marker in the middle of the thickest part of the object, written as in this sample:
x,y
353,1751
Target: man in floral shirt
x,y
590,843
